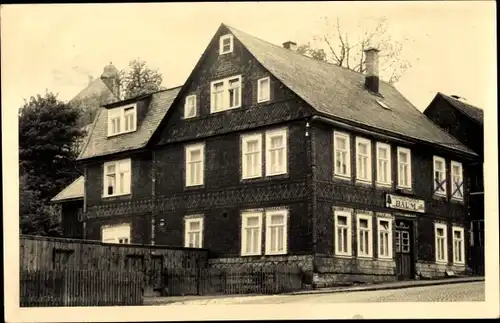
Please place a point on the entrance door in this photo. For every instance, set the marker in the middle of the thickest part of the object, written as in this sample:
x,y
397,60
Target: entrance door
x,y
403,237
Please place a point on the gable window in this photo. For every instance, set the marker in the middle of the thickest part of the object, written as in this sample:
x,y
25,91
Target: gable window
x,y
457,187
276,232
193,235
342,156
441,244
404,168
383,164
276,152
364,235
439,176
458,245
363,159
194,164
251,233
190,107
251,156
342,225
263,90
384,228
116,234
122,120
117,176
226,44
225,94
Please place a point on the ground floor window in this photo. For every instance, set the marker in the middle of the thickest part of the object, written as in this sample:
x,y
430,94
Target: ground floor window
x,y
365,234
270,224
458,245
441,244
116,233
384,242
342,229
193,232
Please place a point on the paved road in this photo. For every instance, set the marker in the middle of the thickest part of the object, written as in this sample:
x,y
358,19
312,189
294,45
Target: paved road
x,y
463,292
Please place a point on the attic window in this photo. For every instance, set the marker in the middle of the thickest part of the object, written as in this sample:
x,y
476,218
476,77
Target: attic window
x,y
122,120
226,44
383,105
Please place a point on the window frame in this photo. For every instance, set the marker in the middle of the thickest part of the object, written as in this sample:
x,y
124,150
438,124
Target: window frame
x,y
347,138
186,115
369,218
410,182
348,215
117,164
368,179
462,188
389,164
221,44
283,168
462,248
390,238
443,171
259,89
244,163
117,237
119,113
187,222
244,216
225,93
269,214
187,172
445,238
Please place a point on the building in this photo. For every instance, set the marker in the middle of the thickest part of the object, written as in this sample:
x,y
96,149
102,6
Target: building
x,y
465,122
267,156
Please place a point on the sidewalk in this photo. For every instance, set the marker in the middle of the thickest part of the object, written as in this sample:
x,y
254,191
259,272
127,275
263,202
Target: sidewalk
x,y
369,287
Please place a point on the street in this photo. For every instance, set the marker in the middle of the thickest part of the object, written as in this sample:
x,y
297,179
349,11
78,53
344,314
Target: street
x,y
459,292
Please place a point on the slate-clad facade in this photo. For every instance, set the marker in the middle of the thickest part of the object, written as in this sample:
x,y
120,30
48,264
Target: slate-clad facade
x,y
243,160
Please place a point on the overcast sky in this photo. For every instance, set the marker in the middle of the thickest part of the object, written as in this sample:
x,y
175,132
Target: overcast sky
x,y
451,45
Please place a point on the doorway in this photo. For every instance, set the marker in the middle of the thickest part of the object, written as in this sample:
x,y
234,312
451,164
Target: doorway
x,y
403,242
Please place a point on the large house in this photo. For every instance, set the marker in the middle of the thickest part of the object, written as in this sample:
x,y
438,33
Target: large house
x,y
267,156
464,121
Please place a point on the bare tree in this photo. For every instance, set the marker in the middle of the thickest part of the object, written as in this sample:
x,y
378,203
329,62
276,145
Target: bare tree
x,y
346,49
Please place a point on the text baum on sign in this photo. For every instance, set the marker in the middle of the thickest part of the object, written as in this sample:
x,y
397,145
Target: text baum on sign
x,y
404,203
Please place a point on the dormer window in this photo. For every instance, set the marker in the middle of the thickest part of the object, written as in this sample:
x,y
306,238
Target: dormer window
x,y
122,120
226,44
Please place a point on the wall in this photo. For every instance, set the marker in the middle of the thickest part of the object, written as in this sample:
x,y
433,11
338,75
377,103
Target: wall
x,y
72,226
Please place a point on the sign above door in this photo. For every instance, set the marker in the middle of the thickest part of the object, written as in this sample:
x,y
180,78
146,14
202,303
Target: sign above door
x,y
404,203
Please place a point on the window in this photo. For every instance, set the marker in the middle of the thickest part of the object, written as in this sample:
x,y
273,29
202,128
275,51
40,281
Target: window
x,y
122,120
190,106
276,152
384,228
117,176
364,235
441,243
276,232
404,168
342,233
457,188
363,159
251,156
458,245
439,176
342,154
194,165
193,234
251,233
383,164
116,234
263,90
225,44
226,94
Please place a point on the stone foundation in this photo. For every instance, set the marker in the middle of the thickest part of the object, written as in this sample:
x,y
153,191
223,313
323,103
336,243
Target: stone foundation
x,y
305,262
433,270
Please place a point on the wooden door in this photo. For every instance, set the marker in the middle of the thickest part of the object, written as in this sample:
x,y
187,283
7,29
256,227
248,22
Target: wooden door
x,y
403,243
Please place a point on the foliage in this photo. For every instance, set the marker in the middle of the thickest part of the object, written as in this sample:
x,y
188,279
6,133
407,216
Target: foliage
x,y
140,79
89,106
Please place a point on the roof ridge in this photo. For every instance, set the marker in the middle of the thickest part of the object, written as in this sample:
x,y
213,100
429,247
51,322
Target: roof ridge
x,y
467,103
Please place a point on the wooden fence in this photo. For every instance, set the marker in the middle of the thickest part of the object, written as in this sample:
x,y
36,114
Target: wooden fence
x,y
42,288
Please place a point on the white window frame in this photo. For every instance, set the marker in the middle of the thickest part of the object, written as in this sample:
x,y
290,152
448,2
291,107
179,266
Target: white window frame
x,y
244,162
260,89
120,114
188,175
408,152
462,247
345,136
186,106
367,217
388,170
187,231
122,233
269,214
443,171
221,44
127,177
368,178
455,195
347,214
445,230
244,216
225,94
389,240
283,168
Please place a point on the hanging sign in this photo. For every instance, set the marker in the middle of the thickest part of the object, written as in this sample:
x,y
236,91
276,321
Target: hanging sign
x,y
404,203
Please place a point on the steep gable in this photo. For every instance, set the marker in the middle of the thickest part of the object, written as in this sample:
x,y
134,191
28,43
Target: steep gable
x,y
473,112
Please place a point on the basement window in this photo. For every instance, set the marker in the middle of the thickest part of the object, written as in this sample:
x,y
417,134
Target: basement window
x,y
383,105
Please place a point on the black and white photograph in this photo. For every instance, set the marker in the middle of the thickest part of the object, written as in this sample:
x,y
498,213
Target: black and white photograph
x,y
249,160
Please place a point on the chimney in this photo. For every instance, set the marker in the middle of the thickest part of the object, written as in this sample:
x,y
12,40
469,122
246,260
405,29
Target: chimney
x,y
371,73
290,45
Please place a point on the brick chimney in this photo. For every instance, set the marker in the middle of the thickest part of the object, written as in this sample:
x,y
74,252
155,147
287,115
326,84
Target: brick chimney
x,y
371,71
290,45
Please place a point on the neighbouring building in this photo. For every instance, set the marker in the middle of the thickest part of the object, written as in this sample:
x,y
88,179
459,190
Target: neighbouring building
x,y
465,122
266,156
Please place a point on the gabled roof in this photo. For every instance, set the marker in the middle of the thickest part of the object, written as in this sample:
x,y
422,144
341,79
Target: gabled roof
x,y
339,93
96,88
469,110
98,144
73,191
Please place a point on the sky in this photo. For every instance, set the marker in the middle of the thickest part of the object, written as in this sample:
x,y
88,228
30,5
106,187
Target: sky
x,y
451,45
